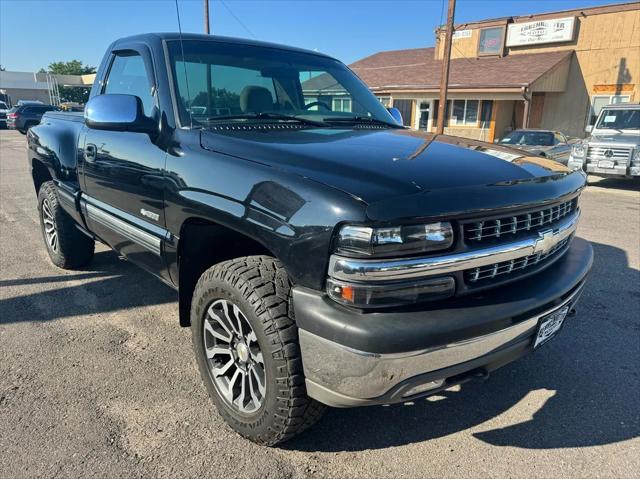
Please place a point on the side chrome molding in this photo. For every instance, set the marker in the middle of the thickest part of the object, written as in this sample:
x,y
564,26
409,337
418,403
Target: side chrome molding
x,y
141,232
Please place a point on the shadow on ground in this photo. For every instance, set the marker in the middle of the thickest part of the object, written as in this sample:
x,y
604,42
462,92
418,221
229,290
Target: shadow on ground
x,y
589,375
625,184
109,284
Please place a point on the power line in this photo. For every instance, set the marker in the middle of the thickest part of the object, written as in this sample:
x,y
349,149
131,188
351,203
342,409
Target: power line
x,y
224,4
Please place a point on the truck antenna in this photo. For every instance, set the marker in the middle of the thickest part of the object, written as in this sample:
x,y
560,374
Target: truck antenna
x,y
184,65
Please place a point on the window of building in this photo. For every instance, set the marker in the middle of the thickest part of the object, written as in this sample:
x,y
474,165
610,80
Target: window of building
x,y
485,113
385,100
405,107
491,41
436,105
342,104
600,101
464,112
128,75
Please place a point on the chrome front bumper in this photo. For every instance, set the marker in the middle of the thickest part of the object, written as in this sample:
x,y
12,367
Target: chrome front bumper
x,y
618,170
340,376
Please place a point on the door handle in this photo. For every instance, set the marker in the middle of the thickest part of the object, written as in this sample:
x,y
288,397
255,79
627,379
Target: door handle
x,y
90,153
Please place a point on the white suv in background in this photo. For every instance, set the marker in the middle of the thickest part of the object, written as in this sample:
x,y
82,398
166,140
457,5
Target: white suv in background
x,y
613,149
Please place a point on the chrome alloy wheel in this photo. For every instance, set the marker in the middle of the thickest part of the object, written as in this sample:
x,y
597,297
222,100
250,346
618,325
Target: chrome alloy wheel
x,y
50,230
234,357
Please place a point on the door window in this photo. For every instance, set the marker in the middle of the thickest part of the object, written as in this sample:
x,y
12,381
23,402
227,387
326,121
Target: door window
x,y
128,75
424,115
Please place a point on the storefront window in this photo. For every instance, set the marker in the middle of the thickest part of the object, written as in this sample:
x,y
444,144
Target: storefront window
x,y
385,100
342,104
464,112
491,41
485,113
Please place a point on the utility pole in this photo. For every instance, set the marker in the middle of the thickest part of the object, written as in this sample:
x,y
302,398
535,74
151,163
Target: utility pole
x,y
206,17
446,60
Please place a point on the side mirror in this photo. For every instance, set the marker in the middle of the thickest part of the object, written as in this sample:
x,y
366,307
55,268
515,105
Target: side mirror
x,y
117,112
397,116
588,128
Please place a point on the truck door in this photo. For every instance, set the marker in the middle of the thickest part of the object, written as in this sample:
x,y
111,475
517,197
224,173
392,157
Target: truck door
x,y
123,171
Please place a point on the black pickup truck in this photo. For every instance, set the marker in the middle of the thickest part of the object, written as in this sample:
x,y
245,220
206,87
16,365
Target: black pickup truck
x,y
323,254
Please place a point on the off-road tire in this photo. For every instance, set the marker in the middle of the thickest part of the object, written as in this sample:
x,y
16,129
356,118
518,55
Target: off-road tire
x,y
260,287
74,248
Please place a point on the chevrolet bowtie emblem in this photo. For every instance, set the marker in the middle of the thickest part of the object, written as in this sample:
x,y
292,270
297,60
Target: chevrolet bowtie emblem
x,y
546,241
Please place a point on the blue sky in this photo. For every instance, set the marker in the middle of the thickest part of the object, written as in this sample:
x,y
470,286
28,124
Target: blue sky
x,y
34,33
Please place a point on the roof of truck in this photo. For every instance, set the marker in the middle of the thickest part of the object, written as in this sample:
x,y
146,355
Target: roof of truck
x,y
622,106
145,37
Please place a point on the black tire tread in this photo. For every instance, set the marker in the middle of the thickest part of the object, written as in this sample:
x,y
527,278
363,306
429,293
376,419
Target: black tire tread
x,y
263,282
75,249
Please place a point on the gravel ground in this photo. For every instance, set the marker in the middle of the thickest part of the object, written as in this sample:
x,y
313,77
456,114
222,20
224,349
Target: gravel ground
x,y
98,379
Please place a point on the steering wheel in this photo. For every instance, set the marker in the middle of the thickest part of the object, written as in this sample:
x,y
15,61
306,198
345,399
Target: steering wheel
x,y
317,103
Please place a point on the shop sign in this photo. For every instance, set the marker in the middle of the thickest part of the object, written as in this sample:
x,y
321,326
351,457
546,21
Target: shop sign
x,y
542,31
461,34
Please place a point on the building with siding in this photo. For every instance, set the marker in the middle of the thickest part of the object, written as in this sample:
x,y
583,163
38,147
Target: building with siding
x,y
43,87
553,70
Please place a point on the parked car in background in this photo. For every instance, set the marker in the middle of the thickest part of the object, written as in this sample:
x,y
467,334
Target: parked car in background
x,y
4,109
613,149
25,116
29,102
548,143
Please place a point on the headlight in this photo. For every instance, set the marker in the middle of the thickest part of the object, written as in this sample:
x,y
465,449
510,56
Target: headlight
x,y
579,150
636,156
394,240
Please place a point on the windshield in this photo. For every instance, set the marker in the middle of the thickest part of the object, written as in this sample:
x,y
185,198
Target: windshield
x,y
619,119
537,138
228,82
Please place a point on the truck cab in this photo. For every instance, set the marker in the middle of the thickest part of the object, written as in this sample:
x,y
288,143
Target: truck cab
x,y
613,147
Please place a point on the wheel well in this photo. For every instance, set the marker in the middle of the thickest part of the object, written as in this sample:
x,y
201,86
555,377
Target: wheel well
x,y
203,244
40,174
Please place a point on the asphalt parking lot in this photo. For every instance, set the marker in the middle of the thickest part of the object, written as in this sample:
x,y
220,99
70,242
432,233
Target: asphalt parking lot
x,y
98,379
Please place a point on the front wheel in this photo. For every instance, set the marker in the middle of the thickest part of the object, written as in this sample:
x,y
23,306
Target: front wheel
x,y
246,345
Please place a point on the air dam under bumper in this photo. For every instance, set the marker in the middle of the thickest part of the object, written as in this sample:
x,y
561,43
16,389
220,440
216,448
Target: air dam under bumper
x,y
356,359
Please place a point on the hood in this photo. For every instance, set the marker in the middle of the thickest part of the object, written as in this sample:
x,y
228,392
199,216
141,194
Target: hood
x,y
535,148
624,138
376,165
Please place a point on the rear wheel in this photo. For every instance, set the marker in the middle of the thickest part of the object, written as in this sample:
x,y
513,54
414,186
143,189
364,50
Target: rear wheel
x,y
246,345
67,246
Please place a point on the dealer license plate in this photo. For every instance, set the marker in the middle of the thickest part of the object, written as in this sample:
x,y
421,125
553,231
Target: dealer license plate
x,y
605,164
550,325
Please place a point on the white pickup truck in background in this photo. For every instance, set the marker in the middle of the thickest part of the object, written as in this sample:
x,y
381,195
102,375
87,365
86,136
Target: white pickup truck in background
x,y
613,149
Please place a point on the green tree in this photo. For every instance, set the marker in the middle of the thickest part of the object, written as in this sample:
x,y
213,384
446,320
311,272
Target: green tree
x,y
73,67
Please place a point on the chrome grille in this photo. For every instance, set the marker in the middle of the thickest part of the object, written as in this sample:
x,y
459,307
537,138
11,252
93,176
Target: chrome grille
x,y
507,267
510,225
608,153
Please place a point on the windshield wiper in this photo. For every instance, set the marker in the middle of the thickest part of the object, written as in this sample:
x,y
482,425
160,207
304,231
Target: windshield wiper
x,y
268,116
362,119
